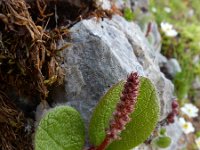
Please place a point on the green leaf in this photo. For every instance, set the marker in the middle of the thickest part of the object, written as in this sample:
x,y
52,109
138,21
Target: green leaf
x,y
102,113
162,141
61,129
198,134
163,131
144,118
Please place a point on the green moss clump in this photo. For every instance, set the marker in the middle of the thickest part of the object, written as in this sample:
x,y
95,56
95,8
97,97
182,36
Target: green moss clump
x,y
128,14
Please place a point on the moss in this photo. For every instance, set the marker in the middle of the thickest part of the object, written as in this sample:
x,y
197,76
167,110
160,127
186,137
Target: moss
x,y
128,14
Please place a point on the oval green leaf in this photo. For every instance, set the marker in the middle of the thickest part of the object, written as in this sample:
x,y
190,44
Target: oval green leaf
x,y
61,129
162,142
102,113
144,118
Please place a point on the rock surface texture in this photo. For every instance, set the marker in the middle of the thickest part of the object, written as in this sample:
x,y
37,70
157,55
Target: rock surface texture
x,y
173,67
104,52
175,132
196,88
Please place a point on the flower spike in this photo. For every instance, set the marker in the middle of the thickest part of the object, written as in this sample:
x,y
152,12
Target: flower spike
x,y
124,108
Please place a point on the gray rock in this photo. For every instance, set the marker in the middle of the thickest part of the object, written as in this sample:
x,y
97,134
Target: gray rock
x,y
139,4
190,13
122,4
101,56
104,4
153,35
142,147
196,98
173,67
104,52
133,4
41,110
196,89
144,20
146,56
196,83
162,60
175,133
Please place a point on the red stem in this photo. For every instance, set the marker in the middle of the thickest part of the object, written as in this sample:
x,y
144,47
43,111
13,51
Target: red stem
x,y
104,144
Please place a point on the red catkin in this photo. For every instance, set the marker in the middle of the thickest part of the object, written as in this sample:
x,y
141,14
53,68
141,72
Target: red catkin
x,y
123,110
170,117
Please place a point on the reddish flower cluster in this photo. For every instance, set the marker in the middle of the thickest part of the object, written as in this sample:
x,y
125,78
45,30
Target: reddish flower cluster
x,y
170,117
124,108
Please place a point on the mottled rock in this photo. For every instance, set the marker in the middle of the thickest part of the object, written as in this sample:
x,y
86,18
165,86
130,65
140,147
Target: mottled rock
x,y
144,20
196,59
196,83
41,109
122,4
142,147
190,13
174,132
133,4
196,89
102,53
142,4
153,35
104,4
196,98
162,60
100,56
173,67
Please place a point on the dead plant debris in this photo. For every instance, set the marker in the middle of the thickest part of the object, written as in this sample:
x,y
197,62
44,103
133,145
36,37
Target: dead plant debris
x,y
28,51
13,135
29,56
